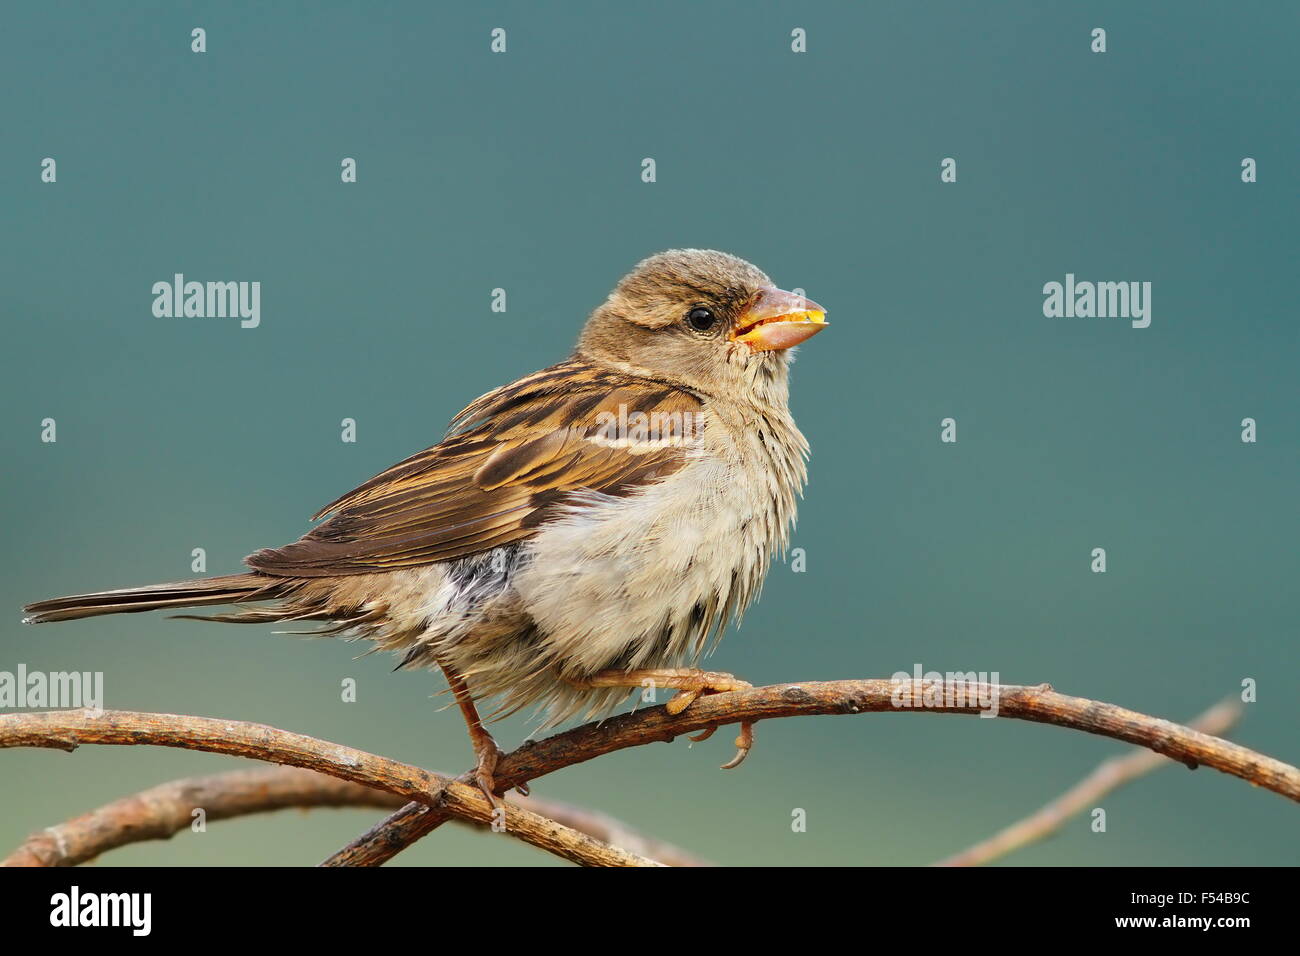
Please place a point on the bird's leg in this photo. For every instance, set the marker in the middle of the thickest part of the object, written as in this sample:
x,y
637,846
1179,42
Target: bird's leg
x,y
486,751
690,683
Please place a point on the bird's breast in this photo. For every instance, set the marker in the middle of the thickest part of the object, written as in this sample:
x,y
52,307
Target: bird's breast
x,y
642,580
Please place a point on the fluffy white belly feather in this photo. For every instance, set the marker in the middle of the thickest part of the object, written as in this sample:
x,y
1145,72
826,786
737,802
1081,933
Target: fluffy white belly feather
x,y
639,581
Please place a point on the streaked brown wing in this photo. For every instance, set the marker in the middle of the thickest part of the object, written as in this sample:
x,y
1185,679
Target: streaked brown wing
x,y
511,458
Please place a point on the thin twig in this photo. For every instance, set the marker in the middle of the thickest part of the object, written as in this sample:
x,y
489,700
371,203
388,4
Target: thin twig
x,y
1041,704
65,730
609,830
167,809
1109,775
162,811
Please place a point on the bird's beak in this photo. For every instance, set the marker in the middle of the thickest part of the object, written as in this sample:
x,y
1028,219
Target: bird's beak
x,y
777,320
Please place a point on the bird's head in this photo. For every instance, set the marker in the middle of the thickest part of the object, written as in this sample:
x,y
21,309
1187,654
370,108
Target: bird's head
x,y
703,319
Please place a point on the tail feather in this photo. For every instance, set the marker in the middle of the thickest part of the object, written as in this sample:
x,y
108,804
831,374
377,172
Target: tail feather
x,y
227,589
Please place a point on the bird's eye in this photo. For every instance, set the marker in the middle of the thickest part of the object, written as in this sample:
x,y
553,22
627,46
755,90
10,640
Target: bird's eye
x,y
701,319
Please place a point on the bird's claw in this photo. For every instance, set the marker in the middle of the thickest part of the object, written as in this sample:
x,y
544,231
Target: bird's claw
x,y
744,743
690,684
713,682
485,773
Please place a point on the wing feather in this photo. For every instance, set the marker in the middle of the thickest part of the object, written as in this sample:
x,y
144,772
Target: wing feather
x,y
510,460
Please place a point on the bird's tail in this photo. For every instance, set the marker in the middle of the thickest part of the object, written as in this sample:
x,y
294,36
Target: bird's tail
x,y
227,589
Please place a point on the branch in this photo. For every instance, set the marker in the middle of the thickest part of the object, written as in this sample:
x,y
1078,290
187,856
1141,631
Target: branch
x,y
439,798
1040,704
1109,776
162,811
66,730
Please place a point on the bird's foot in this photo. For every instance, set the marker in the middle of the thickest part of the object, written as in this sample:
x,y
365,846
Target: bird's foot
x,y
488,755
690,683
714,682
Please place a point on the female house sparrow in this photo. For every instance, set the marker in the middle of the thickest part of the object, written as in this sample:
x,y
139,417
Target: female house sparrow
x,y
579,532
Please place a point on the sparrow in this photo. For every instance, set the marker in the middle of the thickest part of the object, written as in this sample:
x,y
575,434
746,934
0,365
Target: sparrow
x,y
585,530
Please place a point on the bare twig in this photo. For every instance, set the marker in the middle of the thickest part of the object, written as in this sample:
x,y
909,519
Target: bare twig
x,y
609,830
66,730
162,811
167,809
1108,776
1041,704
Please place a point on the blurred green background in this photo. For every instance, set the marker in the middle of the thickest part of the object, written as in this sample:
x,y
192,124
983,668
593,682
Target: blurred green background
x,y
523,171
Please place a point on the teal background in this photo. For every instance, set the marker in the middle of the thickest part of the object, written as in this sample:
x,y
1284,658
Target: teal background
x,y
522,171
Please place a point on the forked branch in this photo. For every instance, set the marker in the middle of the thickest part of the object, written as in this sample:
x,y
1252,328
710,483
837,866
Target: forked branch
x,y
66,730
436,799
